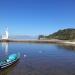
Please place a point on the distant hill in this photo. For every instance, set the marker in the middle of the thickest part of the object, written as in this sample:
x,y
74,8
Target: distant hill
x,y
65,34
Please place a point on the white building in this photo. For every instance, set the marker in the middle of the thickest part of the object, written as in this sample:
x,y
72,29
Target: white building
x,y
5,35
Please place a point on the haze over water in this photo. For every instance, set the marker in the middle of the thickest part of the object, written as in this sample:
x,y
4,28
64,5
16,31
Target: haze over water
x,y
39,59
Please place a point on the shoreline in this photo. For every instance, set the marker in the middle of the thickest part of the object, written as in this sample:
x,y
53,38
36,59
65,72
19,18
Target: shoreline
x,y
40,41
68,42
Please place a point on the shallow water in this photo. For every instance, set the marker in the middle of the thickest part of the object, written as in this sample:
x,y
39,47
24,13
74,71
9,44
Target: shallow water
x,y
39,59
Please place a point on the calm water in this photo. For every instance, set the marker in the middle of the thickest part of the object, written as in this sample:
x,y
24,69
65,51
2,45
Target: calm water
x,y
39,59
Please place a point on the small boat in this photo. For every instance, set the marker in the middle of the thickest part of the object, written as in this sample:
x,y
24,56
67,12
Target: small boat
x,y
11,59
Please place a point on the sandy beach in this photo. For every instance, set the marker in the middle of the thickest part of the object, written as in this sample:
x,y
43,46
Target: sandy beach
x,y
68,42
40,41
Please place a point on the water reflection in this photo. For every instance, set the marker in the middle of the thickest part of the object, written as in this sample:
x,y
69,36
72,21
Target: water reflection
x,y
5,47
41,59
8,70
68,47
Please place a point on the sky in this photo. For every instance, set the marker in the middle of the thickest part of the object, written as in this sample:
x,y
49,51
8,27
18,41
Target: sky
x,y
35,17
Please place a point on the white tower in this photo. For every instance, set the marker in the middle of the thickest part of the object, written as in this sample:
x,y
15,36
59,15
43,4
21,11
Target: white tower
x,y
5,35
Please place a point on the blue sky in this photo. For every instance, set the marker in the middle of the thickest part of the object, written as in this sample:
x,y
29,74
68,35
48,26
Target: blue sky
x,y
36,17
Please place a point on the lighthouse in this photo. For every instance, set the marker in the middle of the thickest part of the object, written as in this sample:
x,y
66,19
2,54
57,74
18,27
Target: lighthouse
x,y
5,35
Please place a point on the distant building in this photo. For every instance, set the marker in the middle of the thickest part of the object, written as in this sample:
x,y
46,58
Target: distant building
x,y
5,35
